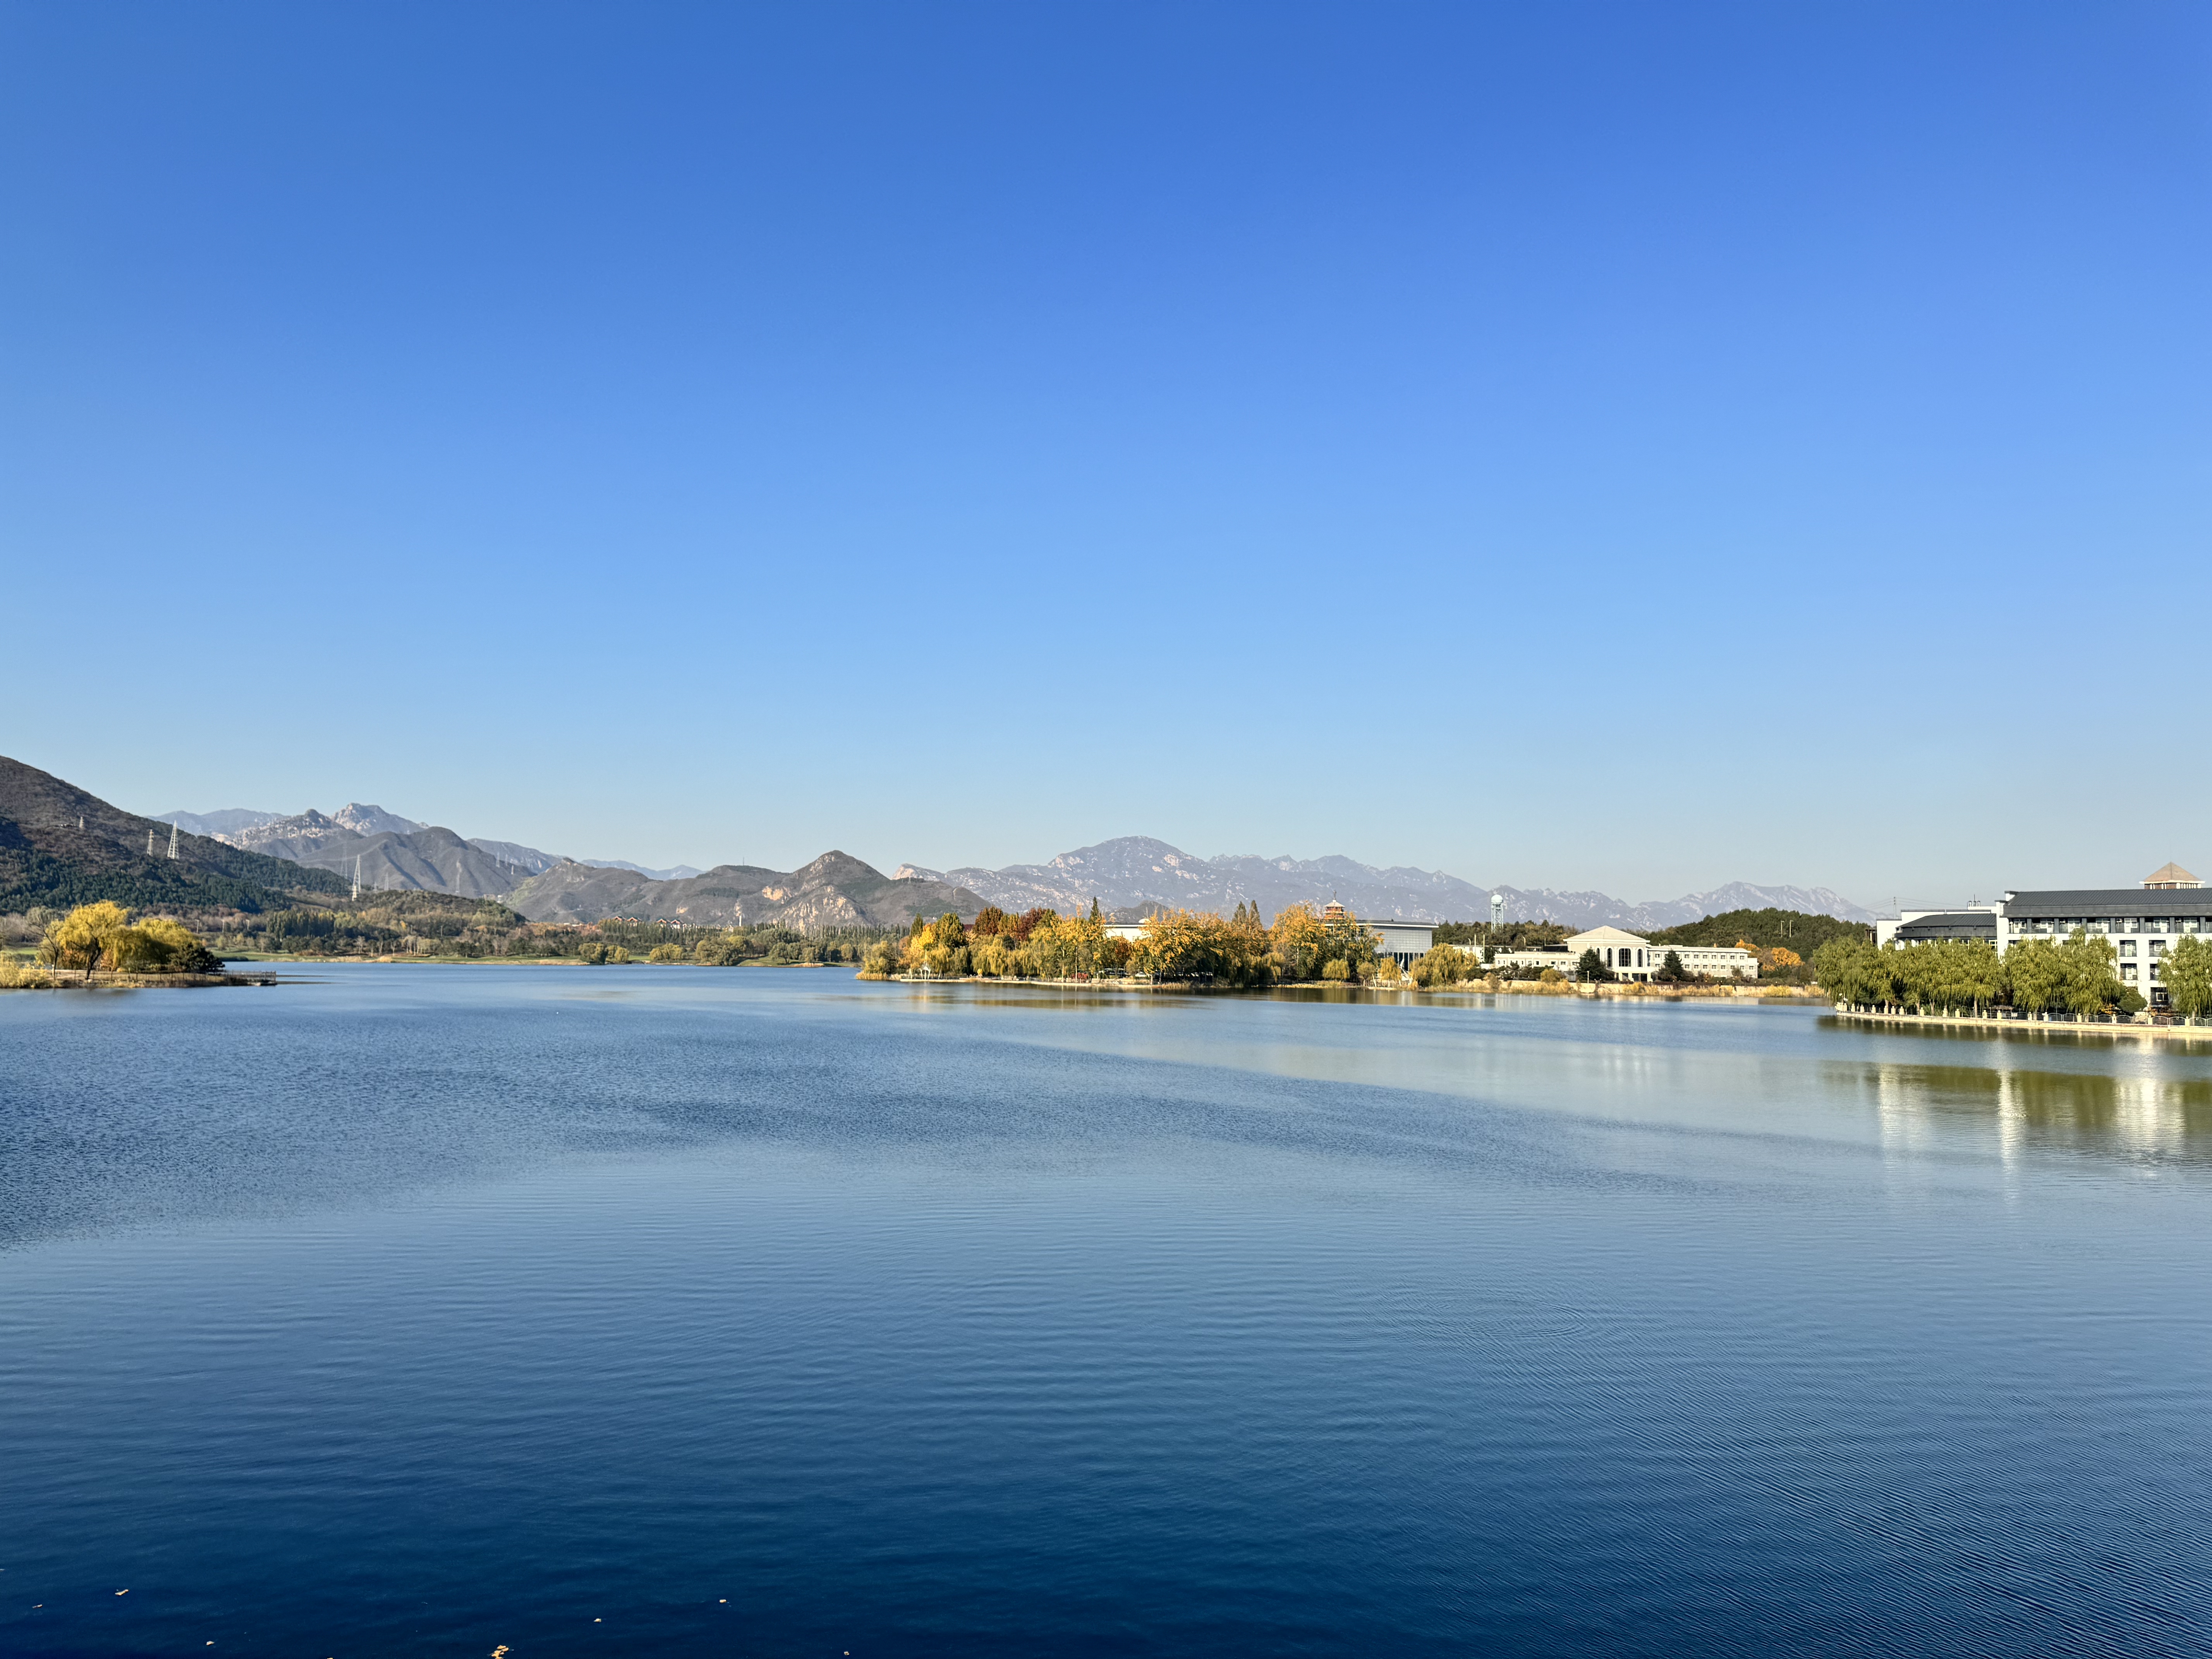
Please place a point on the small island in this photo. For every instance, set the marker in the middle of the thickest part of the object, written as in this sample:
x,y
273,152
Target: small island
x,y
99,944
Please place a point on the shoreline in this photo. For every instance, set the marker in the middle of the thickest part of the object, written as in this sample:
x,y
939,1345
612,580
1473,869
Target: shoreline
x,y
2103,1028
1637,992
101,979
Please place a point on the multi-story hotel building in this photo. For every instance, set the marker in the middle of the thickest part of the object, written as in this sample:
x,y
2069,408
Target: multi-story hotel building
x,y
2142,923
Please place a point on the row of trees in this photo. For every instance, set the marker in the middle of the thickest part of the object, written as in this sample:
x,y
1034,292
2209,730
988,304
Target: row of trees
x,y
441,924
103,936
1239,949
2077,975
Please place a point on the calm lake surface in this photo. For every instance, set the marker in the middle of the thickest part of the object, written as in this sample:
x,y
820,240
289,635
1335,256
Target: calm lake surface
x,y
422,1310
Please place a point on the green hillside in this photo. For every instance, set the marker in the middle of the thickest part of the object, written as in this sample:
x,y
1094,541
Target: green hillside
x,y
61,846
1795,930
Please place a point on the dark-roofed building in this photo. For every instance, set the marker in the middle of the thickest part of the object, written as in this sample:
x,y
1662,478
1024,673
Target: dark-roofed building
x,y
1949,924
2141,922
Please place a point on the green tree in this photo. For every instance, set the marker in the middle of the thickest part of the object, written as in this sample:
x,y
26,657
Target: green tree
x,y
167,946
1671,971
2089,987
2035,974
1850,969
2186,974
1592,967
1444,964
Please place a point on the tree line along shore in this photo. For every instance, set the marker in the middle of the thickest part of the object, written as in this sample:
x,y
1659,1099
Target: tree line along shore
x,y
1302,946
442,926
2075,978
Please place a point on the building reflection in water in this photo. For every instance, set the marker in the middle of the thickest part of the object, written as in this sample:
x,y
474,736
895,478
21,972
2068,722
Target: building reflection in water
x,y
2137,1106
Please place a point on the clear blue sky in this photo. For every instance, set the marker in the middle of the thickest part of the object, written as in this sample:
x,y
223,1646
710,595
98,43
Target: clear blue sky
x,y
1635,447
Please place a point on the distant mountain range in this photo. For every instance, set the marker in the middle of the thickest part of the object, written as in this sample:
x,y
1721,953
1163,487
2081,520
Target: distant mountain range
x,y
1128,876
1134,874
389,855
835,890
383,850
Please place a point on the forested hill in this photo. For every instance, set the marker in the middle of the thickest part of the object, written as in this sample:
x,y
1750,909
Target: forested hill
x,y
60,845
1795,930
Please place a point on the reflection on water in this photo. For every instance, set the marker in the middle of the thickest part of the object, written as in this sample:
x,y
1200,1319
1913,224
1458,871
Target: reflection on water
x,y
575,1311
2125,1115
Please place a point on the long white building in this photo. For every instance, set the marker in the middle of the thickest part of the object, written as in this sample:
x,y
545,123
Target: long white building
x,y
1632,957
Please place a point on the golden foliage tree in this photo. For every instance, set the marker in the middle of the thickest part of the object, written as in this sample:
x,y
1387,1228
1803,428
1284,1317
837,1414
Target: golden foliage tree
x,y
91,936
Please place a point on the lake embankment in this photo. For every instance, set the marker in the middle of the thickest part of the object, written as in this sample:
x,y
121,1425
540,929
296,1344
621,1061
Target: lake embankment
x,y
2029,1025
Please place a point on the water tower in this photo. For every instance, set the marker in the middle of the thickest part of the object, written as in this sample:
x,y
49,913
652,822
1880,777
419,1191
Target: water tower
x,y
1498,910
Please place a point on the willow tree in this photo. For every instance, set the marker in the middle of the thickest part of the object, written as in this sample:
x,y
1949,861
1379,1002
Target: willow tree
x,y
2036,974
2187,973
2090,986
88,936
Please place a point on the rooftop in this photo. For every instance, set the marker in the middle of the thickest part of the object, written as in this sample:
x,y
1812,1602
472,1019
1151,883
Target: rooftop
x,y
1951,924
2171,875
2110,902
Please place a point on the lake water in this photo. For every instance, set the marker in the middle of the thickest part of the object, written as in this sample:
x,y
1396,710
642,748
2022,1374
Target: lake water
x,y
424,1310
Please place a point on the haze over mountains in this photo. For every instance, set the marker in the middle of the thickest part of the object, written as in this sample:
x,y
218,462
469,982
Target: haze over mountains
x,y
1134,874
1128,876
835,890
390,850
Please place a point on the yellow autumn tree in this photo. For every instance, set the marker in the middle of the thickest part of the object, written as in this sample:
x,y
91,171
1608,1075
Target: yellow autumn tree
x,y
1065,947
91,936
1298,940
160,944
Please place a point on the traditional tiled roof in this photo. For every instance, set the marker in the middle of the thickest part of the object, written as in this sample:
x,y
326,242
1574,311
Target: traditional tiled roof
x,y
1950,924
2171,875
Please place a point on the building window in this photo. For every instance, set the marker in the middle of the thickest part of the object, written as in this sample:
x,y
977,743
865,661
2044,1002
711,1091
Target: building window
x,y
2127,971
2127,947
2158,947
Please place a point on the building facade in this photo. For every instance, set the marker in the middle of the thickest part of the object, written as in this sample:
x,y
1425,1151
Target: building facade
x,y
1632,957
1637,958
2141,923
1404,942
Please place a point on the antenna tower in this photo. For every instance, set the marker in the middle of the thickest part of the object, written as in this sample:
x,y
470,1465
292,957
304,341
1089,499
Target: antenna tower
x,y
173,840
149,840
356,875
